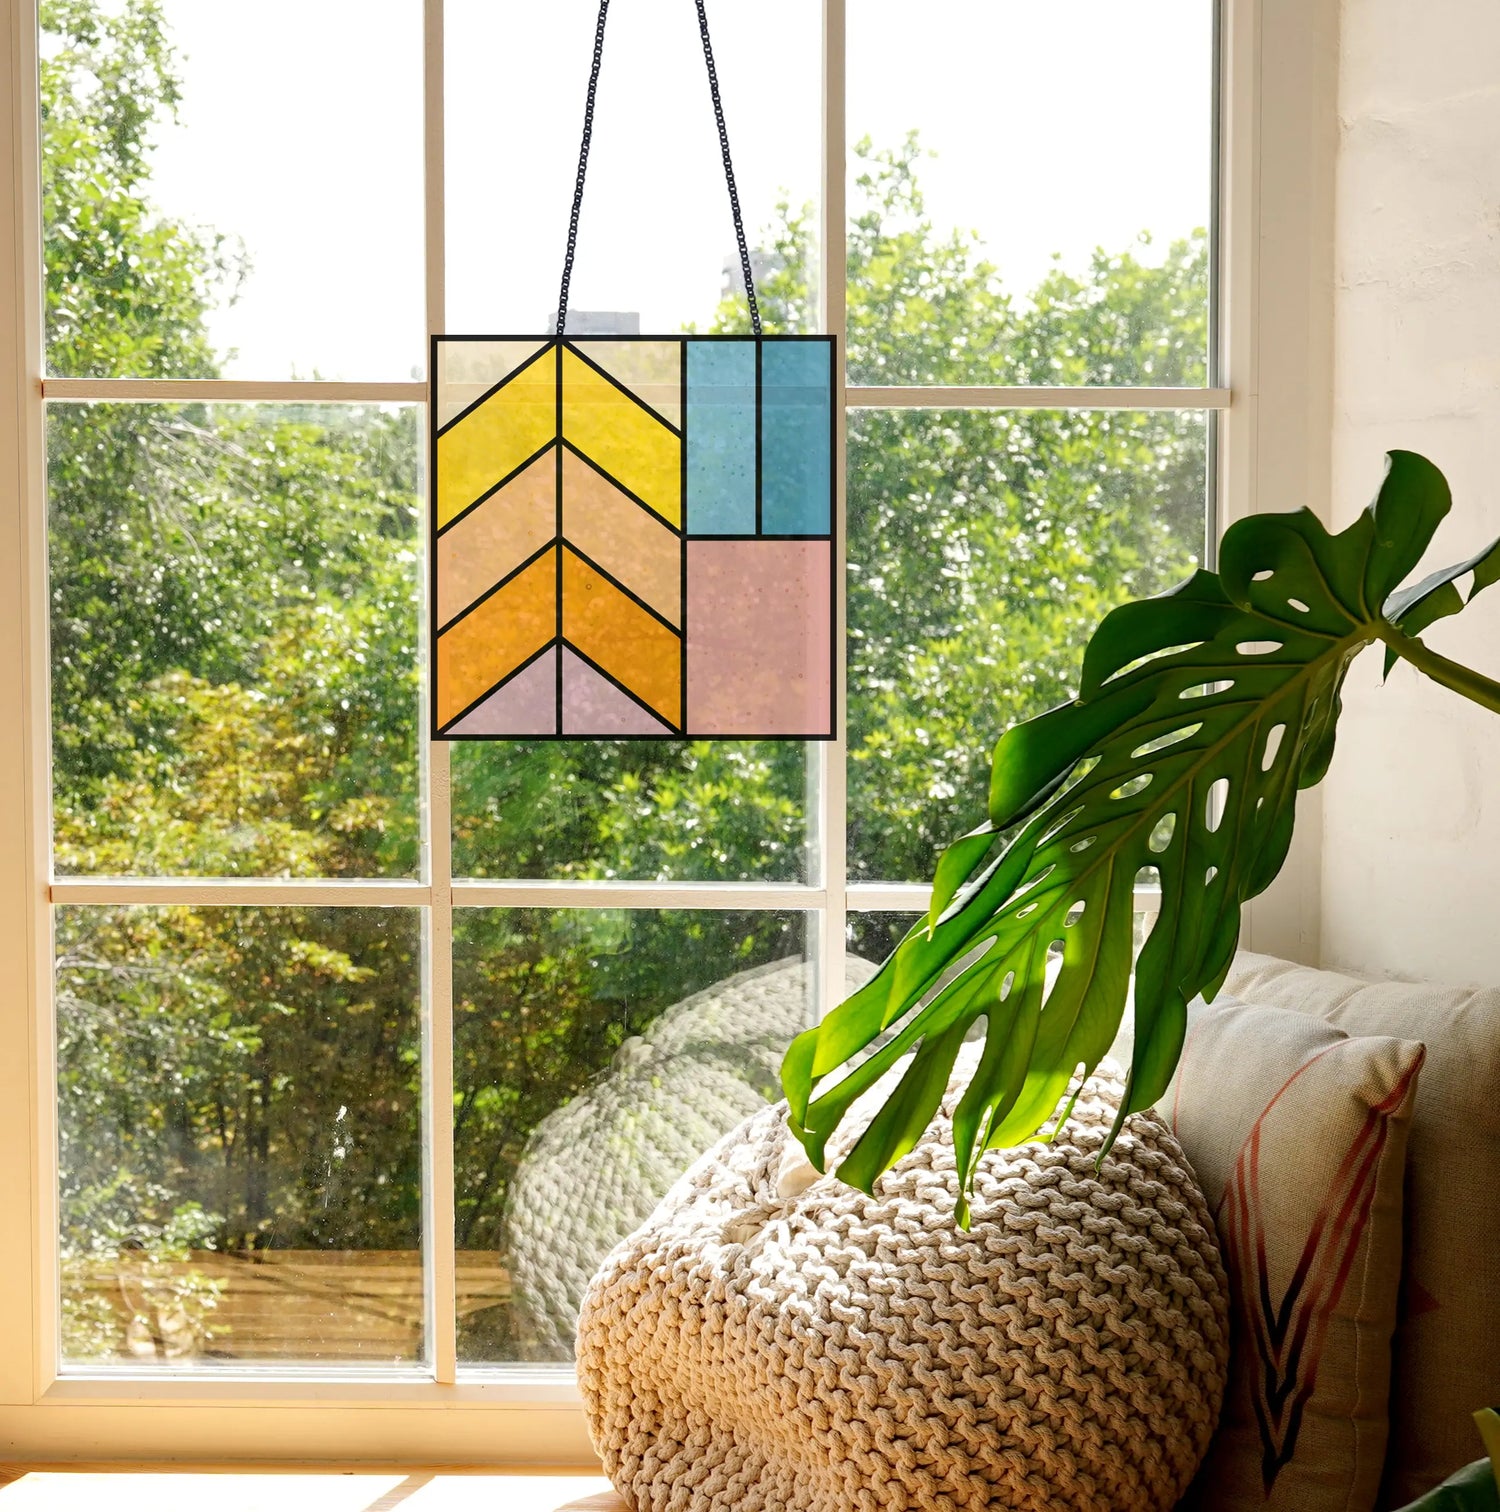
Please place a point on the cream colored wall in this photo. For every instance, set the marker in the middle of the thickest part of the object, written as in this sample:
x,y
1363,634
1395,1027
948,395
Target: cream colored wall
x,y
1411,808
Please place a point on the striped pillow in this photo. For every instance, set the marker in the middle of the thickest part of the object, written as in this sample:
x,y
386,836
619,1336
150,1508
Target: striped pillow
x,y
1447,1348
1298,1135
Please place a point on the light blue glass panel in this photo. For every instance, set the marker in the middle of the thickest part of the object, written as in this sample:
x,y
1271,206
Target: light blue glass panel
x,y
796,438
721,438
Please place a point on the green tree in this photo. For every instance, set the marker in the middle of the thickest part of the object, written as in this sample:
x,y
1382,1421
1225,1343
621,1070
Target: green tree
x,y
126,289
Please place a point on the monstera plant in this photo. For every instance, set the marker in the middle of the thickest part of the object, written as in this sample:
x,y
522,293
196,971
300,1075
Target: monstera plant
x,y
1199,716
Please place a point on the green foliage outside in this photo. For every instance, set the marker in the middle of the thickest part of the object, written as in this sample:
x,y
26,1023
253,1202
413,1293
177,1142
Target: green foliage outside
x,y
234,607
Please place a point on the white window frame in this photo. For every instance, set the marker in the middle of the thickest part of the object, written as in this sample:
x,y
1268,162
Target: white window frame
x,y
442,1414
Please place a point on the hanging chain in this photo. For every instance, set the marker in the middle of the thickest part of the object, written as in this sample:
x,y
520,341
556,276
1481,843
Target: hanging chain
x,y
583,163
734,197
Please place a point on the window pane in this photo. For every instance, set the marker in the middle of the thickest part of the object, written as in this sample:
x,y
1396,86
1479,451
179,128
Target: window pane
x,y
873,936
233,634
596,1055
1029,188
671,810
984,548
239,1135
655,242
230,200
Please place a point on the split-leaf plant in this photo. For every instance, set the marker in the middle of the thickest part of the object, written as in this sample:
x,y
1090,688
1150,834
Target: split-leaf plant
x,y
1200,715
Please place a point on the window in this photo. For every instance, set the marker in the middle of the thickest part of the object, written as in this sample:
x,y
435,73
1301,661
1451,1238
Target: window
x,y
329,1024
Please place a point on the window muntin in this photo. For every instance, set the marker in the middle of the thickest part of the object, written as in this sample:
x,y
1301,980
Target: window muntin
x,y
820,891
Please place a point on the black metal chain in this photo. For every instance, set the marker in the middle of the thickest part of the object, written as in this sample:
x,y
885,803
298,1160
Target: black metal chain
x,y
734,196
583,163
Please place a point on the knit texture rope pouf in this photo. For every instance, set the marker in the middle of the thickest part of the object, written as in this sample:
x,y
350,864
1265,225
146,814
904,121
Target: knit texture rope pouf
x,y
766,1343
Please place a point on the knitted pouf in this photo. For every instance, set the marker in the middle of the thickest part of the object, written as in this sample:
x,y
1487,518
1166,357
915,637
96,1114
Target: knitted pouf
x,y
769,1344
594,1168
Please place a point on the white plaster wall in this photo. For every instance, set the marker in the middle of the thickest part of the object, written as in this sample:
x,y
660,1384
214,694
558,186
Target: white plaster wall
x,y
1411,807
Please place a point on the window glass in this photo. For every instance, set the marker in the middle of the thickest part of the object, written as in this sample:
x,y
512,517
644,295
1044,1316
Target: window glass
x,y
656,247
232,200
1029,187
233,639
716,811
872,936
597,1054
235,598
984,547
239,1136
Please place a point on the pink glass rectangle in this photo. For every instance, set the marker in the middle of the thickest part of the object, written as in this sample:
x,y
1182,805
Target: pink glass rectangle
x,y
759,638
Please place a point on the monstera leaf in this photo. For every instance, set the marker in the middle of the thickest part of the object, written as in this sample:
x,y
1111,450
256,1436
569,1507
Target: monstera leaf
x,y
1200,715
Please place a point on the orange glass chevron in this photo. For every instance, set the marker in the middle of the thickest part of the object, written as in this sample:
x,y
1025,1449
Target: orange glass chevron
x,y
641,653
496,636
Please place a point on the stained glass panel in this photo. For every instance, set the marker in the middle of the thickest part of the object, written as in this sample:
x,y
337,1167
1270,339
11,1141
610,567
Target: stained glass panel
x,y
633,538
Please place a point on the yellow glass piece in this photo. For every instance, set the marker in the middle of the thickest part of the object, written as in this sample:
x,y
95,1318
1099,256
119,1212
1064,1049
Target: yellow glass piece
x,y
468,369
650,369
631,445
490,442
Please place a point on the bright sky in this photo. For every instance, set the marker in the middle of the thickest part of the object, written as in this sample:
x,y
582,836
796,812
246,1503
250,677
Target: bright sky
x,y
1058,125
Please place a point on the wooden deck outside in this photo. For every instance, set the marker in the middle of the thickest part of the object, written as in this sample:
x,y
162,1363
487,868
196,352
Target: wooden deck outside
x,y
326,1306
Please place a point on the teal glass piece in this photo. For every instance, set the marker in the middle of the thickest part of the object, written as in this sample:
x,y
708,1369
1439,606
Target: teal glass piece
x,y
796,438
721,437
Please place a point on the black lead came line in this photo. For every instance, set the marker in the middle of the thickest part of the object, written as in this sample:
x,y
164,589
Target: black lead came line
x,y
557,722
682,562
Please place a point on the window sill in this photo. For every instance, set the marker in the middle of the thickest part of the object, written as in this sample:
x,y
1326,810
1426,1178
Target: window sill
x,y
189,1489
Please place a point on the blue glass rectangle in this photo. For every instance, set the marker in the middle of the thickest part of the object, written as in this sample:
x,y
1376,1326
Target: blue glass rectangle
x,y
720,438
796,438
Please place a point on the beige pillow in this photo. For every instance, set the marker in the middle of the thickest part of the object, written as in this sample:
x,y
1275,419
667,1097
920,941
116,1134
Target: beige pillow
x,y
1298,1136
1447,1359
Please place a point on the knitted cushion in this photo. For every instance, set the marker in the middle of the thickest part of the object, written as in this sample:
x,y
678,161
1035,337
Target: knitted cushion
x,y
766,1342
594,1168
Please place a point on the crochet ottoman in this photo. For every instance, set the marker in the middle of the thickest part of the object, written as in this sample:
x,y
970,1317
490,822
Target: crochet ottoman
x,y
773,1341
